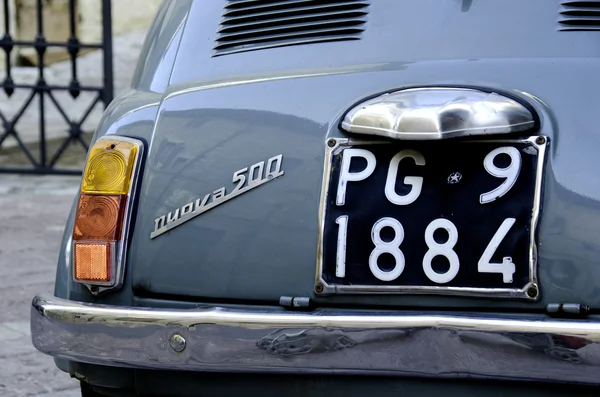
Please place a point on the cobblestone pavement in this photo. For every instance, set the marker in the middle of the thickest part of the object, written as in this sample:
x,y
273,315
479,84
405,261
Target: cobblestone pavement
x,y
33,211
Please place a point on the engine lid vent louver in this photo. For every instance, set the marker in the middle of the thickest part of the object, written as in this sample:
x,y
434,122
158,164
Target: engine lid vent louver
x,y
578,15
249,25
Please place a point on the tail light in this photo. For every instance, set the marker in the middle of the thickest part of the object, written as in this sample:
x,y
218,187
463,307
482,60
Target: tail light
x,y
103,212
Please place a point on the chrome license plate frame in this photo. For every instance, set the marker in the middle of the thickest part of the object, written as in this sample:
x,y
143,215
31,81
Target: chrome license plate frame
x,y
530,291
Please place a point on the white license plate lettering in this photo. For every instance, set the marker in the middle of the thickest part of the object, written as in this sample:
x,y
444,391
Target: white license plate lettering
x,y
347,176
340,257
443,249
506,268
510,174
383,247
415,181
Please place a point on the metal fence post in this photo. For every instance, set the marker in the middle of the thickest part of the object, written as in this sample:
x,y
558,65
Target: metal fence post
x,y
108,55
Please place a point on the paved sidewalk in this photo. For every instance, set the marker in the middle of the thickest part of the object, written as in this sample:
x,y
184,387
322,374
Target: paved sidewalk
x,y
33,211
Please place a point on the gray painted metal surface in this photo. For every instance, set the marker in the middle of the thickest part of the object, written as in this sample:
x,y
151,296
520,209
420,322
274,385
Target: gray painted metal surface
x,y
204,118
218,115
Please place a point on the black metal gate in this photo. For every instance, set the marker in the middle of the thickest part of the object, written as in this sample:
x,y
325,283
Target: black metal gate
x,y
45,163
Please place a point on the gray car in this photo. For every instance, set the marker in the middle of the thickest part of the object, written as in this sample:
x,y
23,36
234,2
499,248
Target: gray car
x,y
344,197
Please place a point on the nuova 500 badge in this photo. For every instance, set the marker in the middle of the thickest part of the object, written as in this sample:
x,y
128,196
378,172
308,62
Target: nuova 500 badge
x,y
246,179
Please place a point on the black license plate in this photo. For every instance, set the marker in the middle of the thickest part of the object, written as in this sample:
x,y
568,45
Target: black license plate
x,y
452,217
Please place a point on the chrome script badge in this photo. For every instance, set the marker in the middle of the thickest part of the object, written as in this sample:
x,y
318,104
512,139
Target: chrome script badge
x,y
257,175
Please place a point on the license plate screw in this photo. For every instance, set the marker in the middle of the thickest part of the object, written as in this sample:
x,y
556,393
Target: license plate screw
x,y
331,142
540,140
532,291
319,288
177,343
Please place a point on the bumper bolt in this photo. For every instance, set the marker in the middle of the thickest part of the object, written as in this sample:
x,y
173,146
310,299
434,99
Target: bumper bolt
x,y
532,291
177,343
540,140
319,288
331,142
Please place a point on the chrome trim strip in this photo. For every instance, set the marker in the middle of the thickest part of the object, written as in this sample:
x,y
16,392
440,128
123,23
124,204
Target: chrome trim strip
x,y
517,347
334,146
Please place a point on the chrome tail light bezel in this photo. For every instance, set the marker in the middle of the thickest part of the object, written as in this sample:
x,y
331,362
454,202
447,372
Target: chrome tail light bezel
x,y
120,247
437,113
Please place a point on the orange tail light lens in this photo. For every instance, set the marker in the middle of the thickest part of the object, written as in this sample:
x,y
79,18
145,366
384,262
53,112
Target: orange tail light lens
x,y
99,217
99,233
93,261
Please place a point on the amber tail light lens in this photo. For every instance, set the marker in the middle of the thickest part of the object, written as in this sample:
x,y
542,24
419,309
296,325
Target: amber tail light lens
x,y
109,167
99,232
93,261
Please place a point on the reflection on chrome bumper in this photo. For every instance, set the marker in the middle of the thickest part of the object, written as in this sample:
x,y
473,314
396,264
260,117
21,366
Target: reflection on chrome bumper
x,y
322,341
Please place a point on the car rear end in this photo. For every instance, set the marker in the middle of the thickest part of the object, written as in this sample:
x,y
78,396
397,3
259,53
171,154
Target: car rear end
x,y
402,188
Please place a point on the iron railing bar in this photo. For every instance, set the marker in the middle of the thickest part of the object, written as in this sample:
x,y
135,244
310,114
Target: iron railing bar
x,y
71,136
25,150
4,136
83,143
58,107
13,131
8,83
39,171
7,132
73,50
6,18
26,104
73,42
49,87
89,109
2,118
42,120
40,18
72,17
40,40
107,54
91,46
59,152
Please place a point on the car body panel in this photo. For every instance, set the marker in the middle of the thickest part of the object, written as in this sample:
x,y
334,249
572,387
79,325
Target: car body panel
x,y
221,252
219,115
212,123
204,117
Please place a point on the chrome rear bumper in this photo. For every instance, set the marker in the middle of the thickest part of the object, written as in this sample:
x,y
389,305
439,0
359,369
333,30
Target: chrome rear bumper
x,y
323,341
